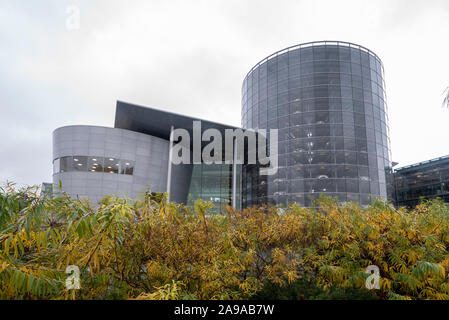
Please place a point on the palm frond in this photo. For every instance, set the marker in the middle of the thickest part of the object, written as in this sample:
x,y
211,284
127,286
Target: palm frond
x,y
446,98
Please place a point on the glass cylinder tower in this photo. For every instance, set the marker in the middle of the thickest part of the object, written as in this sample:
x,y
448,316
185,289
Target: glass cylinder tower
x,y
327,99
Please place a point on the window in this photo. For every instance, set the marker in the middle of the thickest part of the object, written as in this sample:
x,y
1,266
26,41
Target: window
x,y
294,57
79,163
111,165
307,54
355,55
337,131
335,91
345,67
346,92
346,171
296,172
66,164
336,117
57,165
356,69
352,186
93,164
306,68
127,167
345,54
363,159
332,54
364,187
319,53
322,130
282,61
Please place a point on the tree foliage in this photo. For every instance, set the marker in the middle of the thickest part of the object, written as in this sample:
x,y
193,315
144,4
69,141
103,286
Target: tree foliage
x,y
152,249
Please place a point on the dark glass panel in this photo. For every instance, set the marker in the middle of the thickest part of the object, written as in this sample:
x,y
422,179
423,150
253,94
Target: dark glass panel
x,y
66,164
95,164
127,167
111,165
79,163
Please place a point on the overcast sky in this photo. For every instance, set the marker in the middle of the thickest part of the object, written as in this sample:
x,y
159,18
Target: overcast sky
x,y
191,57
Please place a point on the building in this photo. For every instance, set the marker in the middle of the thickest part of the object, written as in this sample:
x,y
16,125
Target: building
x,y
92,162
424,180
327,101
46,189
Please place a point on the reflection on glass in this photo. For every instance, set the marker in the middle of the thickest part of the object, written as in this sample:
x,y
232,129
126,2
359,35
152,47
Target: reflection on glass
x,y
111,165
95,164
57,165
66,164
214,183
335,128
79,163
126,167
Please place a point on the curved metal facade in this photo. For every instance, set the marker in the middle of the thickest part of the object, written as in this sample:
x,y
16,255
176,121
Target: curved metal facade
x,y
91,162
328,101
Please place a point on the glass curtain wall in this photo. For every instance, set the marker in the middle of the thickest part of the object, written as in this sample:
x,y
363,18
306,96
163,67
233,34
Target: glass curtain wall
x,y
328,103
214,183
427,181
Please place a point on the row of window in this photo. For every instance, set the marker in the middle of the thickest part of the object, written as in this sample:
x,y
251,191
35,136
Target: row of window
x,y
93,164
322,171
318,105
316,185
307,75
316,91
306,199
363,134
330,144
273,121
375,171
423,191
310,75
305,55
316,117
337,64
414,202
280,118
334,130
337,121
330,102
422,178
288,143
323,143
295,84
321,101
315,105
337,128
300,156
213,183
311,79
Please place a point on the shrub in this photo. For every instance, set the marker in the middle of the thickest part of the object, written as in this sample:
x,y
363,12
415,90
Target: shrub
x,y
151,249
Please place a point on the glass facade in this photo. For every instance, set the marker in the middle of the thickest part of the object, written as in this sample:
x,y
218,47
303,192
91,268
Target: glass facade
x,y
425,180
327,99
93,164
213,183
